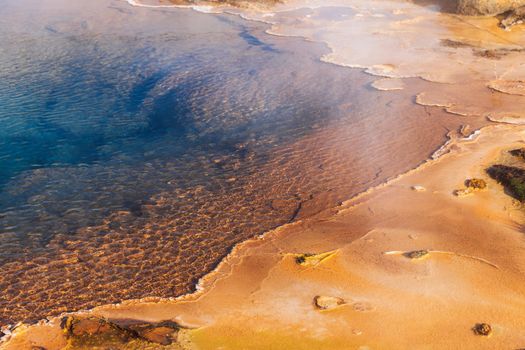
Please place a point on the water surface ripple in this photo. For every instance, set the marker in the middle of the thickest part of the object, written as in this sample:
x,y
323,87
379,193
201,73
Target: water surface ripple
x,y
137,146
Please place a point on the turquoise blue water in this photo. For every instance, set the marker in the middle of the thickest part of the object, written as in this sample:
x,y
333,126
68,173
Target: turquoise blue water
x,y
131,142
104,96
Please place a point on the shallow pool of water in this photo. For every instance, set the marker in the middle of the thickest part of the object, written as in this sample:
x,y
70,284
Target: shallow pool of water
x,y
137,146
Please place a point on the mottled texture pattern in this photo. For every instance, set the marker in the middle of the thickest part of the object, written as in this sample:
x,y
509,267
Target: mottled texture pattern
x,y
487,7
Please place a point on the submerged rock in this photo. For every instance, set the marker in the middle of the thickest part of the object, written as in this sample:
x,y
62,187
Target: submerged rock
x,y
512,178
326,302
163,333
95,330
416,254
483,329
78,327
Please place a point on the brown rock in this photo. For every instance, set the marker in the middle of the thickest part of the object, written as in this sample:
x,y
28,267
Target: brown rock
x,y
483,329
477,184
163,333
326,302
418,188
74,326
416,254
472,185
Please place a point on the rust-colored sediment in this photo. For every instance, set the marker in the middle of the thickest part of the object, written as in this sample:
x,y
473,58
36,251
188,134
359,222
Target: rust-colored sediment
x,y
262,296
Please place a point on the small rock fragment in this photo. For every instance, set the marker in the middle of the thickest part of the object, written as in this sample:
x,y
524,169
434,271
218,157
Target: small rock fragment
x,y
327,303
483,329
472,185
416,254
309,259
418,188
462,193
476,184
5,331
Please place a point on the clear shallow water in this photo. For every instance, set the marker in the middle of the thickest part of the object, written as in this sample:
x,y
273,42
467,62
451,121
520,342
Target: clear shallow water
x,y
138,145
104,99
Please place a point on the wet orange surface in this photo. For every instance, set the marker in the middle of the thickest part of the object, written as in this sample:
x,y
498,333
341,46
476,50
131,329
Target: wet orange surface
x,y
376,131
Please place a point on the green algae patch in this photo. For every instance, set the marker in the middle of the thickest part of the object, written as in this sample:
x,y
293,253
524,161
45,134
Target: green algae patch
x,y
512,178
519,152
308,259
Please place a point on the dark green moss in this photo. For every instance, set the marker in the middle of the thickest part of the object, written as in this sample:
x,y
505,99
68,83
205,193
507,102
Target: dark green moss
x,y
517,187
520,152
512,178
301,259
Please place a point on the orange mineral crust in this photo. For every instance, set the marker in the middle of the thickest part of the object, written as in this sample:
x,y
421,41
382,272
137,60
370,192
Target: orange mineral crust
x,y
406,264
